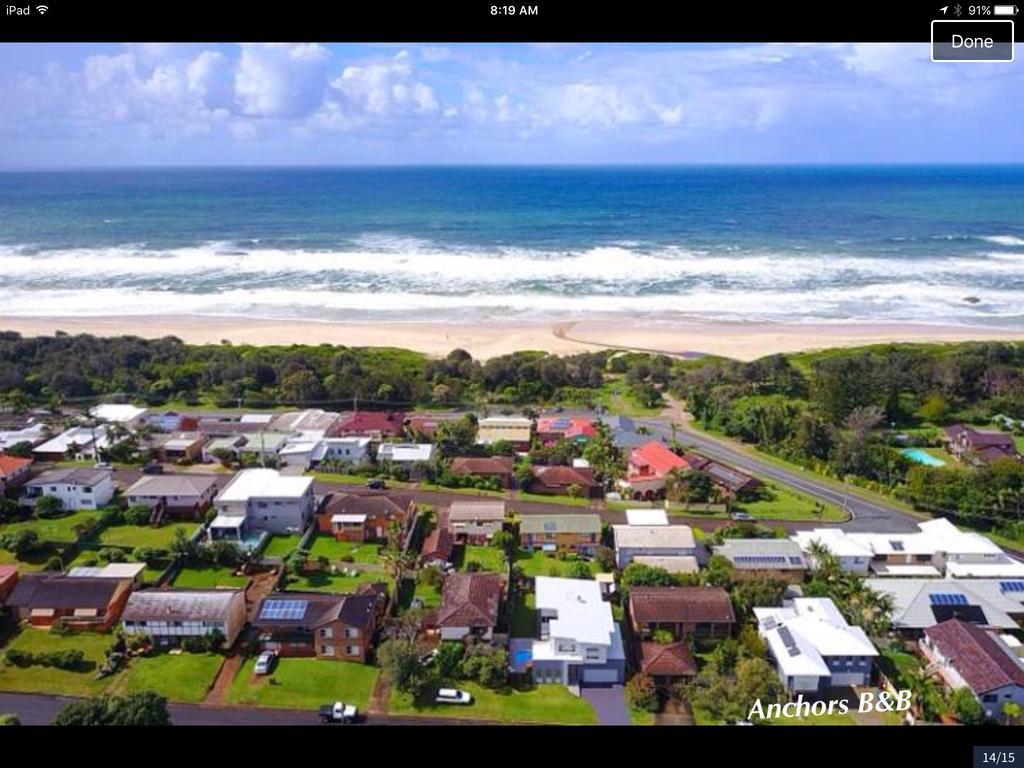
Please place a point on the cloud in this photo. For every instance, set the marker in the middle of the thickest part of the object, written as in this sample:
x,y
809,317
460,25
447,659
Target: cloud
x,y
281,80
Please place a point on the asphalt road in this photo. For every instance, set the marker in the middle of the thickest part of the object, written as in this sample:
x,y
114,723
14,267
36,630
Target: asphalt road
x,y
868,515
41,709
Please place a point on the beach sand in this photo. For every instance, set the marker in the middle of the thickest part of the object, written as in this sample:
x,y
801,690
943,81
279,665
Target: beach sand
x,y
743,341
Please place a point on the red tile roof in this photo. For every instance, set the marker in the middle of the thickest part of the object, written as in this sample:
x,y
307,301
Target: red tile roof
x,y
439,542
487,465
561,476
685,605
9,465
672,660
567,426
656,458
7,571
976,655
365,422
470,600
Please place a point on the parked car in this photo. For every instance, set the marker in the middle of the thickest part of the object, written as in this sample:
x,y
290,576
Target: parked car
x,y
742,517
375,484
153,468
102,465
453,696
338,712
265,662
428,658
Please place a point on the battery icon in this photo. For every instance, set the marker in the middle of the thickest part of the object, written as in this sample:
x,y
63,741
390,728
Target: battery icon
x,y
1004,10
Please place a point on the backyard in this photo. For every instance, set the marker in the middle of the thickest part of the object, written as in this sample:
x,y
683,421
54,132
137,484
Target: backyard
x,y
60,530
537,563
133,536
325,581
208,577
39,679
335,551
534,704
281,546
489,559
304,684
523,616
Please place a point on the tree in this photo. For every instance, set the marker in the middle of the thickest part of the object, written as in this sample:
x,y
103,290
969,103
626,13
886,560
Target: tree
x,y
485,663
184,548
605,558
20,543
640,575
394,556
449,656
400,661
9,720
642,693
507,543
967,708
1011,711
48,506
132,709
718,572
22,450
578,569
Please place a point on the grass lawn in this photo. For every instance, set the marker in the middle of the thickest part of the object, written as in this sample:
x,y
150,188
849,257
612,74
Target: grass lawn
x,y
784,504
182,677
209,577
464,491
1018,440
539,704
614,395
324,581
333,550
304,684
143,535
523,619
490,558
33,562
565,501
640,717
538,563
37,679
60,530
281,546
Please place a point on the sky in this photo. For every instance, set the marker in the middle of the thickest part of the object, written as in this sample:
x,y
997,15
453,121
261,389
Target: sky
x,y
72,105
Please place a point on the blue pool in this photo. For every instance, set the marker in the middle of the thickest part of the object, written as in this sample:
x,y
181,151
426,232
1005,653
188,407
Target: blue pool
x,y
521,658
918,456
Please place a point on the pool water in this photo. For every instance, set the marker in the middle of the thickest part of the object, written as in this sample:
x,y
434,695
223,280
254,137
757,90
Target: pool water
x,y
521,658
918,456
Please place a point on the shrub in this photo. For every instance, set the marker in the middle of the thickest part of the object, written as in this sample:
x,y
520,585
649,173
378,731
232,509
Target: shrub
x,y
449,657
17,658
138,515
113,555
486,664
53,563
641,693
49,506
20,543
663,636
148,555
9,720
578,570
88,560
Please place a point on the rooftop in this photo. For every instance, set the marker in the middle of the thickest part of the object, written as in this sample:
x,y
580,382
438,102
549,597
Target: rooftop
x,y
184,484
72,475
582,614
120,413
470,600
775,554
983,661
181,604
646,517
568,523
111,571
477,510
653,536
680,605
265,483
656,458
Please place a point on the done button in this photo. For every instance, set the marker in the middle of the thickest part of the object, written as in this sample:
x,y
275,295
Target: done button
x,y
972,40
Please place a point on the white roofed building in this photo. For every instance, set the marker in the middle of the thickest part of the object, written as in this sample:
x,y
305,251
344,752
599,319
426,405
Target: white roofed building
x,y
632,541
268,501
127,415
646,517
405,453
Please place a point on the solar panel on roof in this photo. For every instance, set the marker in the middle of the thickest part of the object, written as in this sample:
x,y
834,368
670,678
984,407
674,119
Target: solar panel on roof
x,y
947,598
796,561
1011,586
897,546
284,610
760,559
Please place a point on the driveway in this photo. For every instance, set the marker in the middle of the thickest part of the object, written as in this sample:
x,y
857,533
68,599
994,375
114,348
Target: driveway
x,y
609,703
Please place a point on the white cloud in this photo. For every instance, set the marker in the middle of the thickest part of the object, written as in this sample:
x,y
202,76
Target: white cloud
x,y
281,79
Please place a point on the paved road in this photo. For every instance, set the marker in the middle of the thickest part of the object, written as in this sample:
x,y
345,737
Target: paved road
x,y
41,709
867,515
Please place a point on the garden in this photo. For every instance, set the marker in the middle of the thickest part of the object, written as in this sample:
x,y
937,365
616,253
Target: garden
x,y
304,684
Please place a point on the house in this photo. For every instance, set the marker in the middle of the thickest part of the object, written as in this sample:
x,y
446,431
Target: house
x,y
475,522
172,421
81,443
8,578
321,624
219,427
439,544
968,656
406,454
813,648
42,599
624,431
268,501
76,487
500,468
311,423
652,541
560,480
667,663
571,532
646,517
979,446
262,446
776,559
670,563
731,481
852,556
922,603
178,446
937,548
425,426
14,471
132,572
376,424
180,495
311,452
551,429
232,444
516,430
32,433
168,615
470,605
683,611
348,517
648,466
129,416
579,641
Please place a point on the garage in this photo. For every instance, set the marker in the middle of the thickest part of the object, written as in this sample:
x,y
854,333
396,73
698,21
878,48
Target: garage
x,y
600,676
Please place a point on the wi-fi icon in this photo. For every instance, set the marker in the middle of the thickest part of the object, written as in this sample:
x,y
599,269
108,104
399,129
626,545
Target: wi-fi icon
x,y
41,9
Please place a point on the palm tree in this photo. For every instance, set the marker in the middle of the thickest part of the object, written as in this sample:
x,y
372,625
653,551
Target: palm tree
x,y
1011,711
925,694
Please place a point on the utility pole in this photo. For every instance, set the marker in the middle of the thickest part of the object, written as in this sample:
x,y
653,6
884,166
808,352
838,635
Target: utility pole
x,y
263,451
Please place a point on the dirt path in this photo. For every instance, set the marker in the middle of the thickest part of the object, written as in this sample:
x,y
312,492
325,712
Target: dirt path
x,y
221,684
380,696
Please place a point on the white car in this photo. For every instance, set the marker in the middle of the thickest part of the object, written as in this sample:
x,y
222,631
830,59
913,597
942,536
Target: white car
x,y
264,662
453,696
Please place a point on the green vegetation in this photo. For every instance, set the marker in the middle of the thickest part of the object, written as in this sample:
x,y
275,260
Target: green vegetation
x,y
523,618
780,503
280,545
58,530
344,551
539,563
143,535
208,577
488,558
42,679
179,677
325,581
304,684
535,704
566,501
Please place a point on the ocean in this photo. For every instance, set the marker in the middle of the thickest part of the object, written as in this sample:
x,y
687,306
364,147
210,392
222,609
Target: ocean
x,y
797,244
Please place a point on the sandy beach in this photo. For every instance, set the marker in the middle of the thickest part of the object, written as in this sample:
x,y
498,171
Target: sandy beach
x,y
743,341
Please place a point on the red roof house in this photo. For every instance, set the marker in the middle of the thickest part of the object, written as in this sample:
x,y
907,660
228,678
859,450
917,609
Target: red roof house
x,y
376,424
653,460
8,578
557,480
13,471
551,429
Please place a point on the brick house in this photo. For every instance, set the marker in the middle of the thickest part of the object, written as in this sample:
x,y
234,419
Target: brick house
x,y
470,605
41,599
348,517
375,424
572,532
558,480
8,578
683,611
500,468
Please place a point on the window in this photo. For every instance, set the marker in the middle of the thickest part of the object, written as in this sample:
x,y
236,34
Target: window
x,y
352,650
327,632
351,632
593,654
989,698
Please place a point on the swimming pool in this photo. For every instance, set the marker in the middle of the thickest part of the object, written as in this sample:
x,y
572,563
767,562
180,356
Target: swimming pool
x,y
919,456
521,658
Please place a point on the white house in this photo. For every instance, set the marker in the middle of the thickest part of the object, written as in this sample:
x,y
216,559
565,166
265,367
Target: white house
x,y
32,434
405,453
168,615
310,452
813,647
76,487
632,541
646,517
852,555
968,656
580,643
127,415
268,501
86,442
922,603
